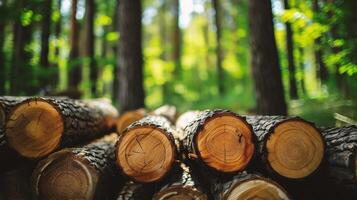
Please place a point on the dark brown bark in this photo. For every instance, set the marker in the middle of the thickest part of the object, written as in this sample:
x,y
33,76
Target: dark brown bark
x,y
115,27
182,185
97,164
90,42
290,52
130,58
177,39
321,69
136,191
265,60
219,51
74,68
265,127
46,31
79,122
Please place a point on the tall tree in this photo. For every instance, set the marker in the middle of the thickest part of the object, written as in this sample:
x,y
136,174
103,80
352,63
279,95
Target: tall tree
x,y
265,59
58,28
177,35
163,32
2,54
219,53
131,91
90,40
290,52
45,37
115,27
319,63
75,72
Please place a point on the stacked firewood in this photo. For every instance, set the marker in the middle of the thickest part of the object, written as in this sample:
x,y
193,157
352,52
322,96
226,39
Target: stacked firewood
x,y
59,148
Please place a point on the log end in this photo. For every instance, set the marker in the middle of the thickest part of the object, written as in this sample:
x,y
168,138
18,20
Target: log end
x,y
257,188
34,128
226,143
145,154
180,193
295,149
129,117
61,176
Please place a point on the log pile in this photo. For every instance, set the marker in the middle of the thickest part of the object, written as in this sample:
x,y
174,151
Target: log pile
x,y
67,150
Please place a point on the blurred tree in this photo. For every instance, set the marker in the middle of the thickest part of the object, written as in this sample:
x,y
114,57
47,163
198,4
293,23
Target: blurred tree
x,y
74,69
131,91
290,53
90,42
177,41
2,53
115,27
58,28
265,60
219,53
45,37
319,63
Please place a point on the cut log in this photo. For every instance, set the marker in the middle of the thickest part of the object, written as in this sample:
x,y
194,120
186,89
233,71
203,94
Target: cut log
x,y
248,186
219,139
15,184
129,117
184,185
168,111
86,172
146,149
341,154
291,148
38,126
136,191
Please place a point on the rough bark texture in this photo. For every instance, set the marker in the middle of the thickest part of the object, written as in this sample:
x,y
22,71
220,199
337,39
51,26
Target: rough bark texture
x,y
290,52
75,71
265,60
341,154
136,191
190,128
219,53
90,49
183,185
130,58
82,120
222,188
263,127
99,160
125,149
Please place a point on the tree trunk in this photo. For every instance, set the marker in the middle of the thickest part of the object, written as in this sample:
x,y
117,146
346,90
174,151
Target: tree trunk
x,y
265,60
89,170
290,52
58,29
302,68
39,126
131,91
146,150
219,53
319,63
74,69
218,140
115,95
177,39
90,49
3,76
248,186
46,31
136,191
183,185
291,148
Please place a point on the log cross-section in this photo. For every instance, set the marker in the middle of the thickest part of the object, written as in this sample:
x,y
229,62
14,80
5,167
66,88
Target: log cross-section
x,y
219,139
86,172
290,147
146,149
38,126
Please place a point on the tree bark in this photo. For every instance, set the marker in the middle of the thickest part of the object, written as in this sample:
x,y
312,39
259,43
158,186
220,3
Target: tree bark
x,y
265,60
290,52
115,95
74,69
146,150
219,51
321,69
217,140
288,147
131,91
136,191
39,126
177,39
90,49
46,31
248,186
58,29
90,170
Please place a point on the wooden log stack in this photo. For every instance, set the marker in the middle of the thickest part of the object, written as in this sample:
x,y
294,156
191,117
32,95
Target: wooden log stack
x,y
203,155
